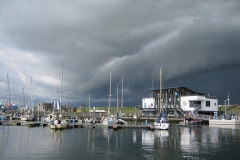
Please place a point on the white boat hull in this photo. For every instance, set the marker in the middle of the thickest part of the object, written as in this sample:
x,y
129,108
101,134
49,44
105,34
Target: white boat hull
x,y
58,126
224,122
27,118
55,125
161,126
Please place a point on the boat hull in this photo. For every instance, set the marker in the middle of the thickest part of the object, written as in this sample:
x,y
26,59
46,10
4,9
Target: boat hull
x,y
27,118
161,126
58,126
224,122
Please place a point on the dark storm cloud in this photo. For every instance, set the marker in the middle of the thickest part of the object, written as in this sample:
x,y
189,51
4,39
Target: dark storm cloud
x,y
133,39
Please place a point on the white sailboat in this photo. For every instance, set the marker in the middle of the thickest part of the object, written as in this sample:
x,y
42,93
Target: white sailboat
x,y
3,115
110,119
59,123
27,116
162,122
51,117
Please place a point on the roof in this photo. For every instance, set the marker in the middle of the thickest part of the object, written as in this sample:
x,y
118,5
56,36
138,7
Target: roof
x,y
176,88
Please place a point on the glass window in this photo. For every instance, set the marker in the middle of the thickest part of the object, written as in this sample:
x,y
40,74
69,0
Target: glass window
x,y
191,104
207,103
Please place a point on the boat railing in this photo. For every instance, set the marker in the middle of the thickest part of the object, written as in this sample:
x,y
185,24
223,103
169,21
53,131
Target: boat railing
x,y
181,111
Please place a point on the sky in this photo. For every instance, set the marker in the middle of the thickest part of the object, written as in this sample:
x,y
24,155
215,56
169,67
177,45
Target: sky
x,y
195,43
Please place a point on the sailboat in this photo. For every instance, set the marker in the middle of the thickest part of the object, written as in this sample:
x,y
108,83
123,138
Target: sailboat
x,y
59,123
3,115
3,107
27,116
162,122
51,117
110,119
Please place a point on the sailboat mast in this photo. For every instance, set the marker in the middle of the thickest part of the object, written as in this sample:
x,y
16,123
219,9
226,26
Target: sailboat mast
x,y
61,90
117,97
89,104
31,95
160,90
6,96
122,95
109,101
23,100
8,90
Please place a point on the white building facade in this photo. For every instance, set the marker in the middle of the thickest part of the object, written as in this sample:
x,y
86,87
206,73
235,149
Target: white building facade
x,y
198,104
179,101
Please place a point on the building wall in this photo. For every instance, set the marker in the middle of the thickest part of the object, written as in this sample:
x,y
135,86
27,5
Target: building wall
x,y
148,103
172,101
189,103
40,106
170,97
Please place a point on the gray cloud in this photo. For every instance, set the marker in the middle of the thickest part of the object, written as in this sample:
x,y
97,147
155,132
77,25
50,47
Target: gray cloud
x,y
132,39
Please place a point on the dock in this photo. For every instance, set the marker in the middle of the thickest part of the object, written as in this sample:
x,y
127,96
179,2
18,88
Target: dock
x,y
78,124
10,123
192,123
34,124
146,127
75,125
22,123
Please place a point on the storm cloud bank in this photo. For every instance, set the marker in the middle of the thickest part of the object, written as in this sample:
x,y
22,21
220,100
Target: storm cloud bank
x,y
196,43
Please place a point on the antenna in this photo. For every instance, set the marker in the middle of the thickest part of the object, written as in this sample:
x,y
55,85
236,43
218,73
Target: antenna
x,y
152,84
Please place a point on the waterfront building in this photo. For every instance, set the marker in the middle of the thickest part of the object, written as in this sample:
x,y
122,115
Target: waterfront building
x,y
177,101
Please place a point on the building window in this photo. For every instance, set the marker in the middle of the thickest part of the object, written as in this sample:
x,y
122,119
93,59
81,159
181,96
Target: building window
x,y
207,103
191,104
194,103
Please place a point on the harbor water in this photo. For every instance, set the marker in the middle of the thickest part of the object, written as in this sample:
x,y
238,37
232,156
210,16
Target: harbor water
x,y
203,142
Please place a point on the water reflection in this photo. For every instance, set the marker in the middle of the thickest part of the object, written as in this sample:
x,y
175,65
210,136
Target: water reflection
x,y
154,139
147,137
204,142
134,136
57,135
161,137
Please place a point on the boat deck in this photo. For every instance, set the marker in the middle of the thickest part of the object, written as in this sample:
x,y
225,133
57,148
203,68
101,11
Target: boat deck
x,y
224,122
